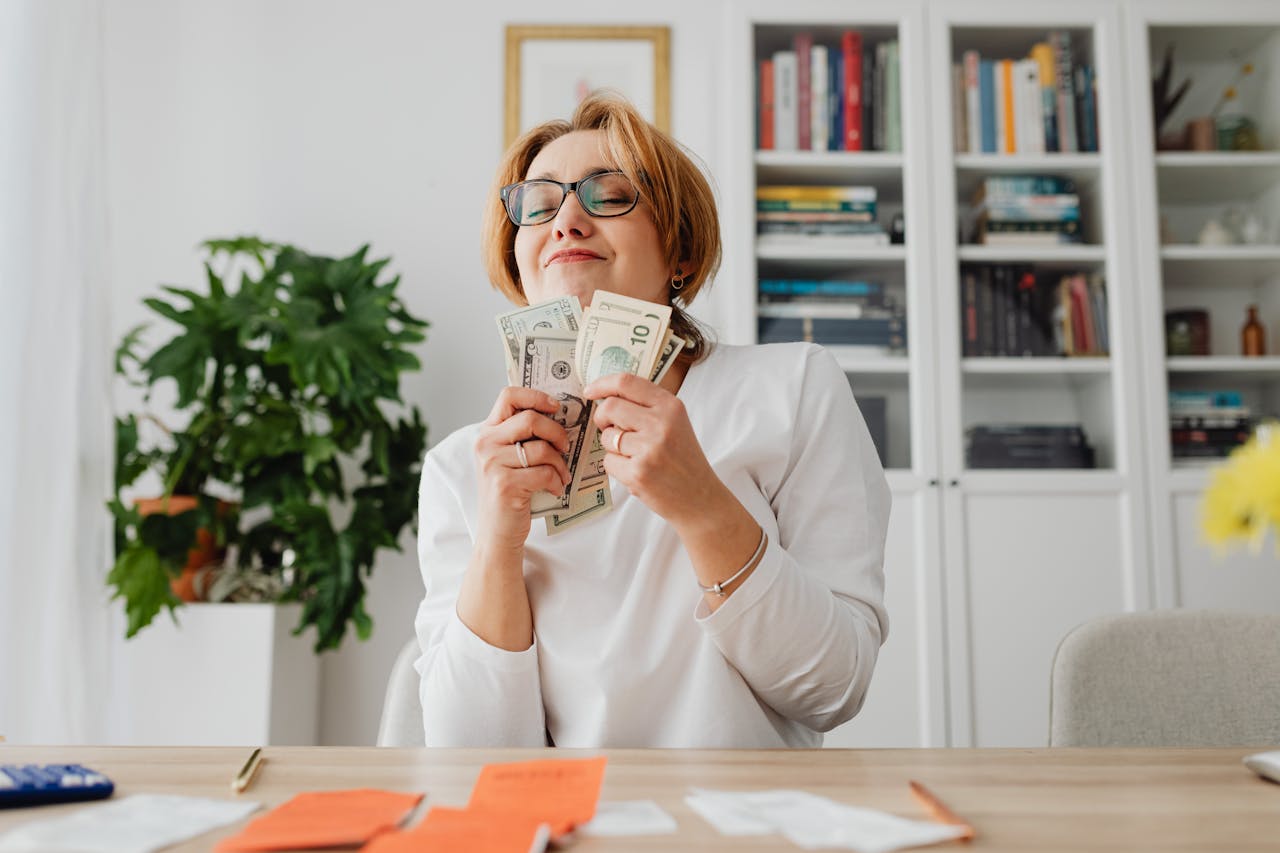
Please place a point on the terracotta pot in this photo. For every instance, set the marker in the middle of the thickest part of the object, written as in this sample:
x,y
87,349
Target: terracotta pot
x,y
201,559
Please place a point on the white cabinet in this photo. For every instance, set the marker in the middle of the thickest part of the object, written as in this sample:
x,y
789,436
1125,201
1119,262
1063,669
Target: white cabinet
x,y
1176,194
986,569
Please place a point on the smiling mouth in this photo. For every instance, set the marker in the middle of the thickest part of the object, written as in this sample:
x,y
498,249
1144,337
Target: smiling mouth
x,y
573,258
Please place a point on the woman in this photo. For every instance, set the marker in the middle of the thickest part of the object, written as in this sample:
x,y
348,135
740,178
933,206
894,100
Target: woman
x,y
733,596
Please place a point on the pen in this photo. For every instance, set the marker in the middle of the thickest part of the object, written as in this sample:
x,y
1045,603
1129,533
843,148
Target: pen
x,y
938,811
244,778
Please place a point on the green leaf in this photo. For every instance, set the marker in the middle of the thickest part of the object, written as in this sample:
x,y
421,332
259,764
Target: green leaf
x,y
139,578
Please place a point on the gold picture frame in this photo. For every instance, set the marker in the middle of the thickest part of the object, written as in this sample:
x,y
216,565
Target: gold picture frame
x,y
621,58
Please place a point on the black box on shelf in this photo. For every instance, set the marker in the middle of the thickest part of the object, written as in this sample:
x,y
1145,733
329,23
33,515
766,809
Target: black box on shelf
x,y
1028,446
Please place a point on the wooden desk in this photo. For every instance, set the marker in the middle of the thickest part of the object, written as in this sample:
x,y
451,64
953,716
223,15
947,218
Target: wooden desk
x,y
1017,799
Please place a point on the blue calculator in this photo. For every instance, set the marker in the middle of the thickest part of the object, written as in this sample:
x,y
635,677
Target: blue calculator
x,y
42,784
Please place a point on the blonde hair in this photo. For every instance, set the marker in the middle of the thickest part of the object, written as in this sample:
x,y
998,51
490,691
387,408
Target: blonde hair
x,y
671,186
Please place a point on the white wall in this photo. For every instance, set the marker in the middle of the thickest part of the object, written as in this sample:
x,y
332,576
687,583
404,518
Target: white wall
x,y
330,124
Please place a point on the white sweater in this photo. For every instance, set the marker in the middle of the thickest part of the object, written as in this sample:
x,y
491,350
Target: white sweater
x,y
625,652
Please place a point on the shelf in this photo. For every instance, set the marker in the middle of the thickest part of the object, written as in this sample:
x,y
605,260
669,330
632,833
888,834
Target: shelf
x,y
1020,366
1260,366
1083,169
1043,255
879,169
1215,177
998,481
817,251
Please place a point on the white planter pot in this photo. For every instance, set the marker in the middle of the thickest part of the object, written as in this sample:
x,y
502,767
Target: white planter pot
x,y
226,675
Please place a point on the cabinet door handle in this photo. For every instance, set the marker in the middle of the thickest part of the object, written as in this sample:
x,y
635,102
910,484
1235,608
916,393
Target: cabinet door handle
x,y
954,483
933,482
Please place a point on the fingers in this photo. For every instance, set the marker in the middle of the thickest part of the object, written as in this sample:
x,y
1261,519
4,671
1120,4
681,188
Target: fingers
x,y
626,386
526,425
513,399
538,453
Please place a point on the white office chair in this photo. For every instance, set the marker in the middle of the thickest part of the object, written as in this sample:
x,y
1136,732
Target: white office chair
x,y
401,723
1168,678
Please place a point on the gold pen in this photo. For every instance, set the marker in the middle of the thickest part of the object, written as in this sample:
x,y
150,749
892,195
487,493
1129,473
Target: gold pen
x,y
244,778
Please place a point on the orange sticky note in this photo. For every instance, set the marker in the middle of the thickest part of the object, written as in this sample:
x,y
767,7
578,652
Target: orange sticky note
x,y
323,819
561,792
450,830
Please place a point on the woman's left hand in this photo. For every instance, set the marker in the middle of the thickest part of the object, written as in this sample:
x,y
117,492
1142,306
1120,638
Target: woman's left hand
x,y
651,448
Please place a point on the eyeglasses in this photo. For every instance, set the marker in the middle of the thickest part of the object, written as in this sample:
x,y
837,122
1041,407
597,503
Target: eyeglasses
x,y
603,194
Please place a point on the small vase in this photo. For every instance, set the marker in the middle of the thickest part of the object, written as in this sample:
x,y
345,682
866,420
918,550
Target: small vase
x,y
1253,336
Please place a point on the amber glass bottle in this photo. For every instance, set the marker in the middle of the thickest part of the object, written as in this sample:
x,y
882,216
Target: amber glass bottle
x,y
1253,337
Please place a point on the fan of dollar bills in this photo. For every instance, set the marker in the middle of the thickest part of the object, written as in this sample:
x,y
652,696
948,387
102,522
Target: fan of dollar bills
x,y
559,348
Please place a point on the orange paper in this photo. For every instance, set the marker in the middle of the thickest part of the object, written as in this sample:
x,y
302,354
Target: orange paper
x,y
323,819
454,830
561,792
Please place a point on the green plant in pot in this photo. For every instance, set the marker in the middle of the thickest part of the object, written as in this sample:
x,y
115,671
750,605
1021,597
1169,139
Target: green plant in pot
x,y
297,456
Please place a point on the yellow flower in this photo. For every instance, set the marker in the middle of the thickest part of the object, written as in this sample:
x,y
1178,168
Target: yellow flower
x,y
1243,498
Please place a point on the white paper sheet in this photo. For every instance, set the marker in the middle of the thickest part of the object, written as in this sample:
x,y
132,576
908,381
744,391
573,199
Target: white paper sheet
x,y
629,817
138,824
814,822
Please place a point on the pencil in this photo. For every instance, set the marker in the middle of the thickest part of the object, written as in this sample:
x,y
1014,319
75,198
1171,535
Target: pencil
x,y
938,811
244,778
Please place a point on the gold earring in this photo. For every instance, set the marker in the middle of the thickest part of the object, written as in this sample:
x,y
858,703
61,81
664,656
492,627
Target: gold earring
x,y
677,281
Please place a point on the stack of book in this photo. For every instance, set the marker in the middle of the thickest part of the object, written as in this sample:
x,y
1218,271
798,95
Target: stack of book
x,y
1046,101
1026,210
789,214
1027,446
1207,424
1013,310
851,314
830,97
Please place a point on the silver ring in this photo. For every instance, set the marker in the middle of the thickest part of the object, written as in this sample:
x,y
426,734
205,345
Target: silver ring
x,y
617,441
524,460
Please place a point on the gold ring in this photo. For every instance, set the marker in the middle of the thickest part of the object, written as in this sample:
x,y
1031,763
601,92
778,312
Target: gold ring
x,y
617,441
524,460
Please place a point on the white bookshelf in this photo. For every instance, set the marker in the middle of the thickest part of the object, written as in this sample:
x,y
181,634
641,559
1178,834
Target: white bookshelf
x,y
1175,193
990,568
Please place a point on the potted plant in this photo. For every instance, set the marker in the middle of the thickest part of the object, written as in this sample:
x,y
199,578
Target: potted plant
x,y
291,448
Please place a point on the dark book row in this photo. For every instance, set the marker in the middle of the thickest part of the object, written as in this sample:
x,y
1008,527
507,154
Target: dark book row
x,y
887,334
1015,310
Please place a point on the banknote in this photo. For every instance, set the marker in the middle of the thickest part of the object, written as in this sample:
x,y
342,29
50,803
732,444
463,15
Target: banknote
x,y
547,365
562,314
622,335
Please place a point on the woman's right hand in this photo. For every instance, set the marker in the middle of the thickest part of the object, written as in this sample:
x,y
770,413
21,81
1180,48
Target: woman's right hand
x,y
520,415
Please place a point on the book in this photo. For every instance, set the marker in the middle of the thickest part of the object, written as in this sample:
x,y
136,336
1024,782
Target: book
x,y
1064,76
851,57
819,121
1042,53
785,95
792,193
987,105
1086,109
1030,131
794,242
792,288
766,105
972,101
1005,127
869,97
835,101
959,117
893,99
802,45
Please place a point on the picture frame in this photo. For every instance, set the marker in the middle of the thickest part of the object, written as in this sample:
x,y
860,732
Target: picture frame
x,y
551,68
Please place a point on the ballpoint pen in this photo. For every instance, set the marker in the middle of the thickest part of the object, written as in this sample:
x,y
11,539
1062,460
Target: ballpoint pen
x,y
244,778
938,811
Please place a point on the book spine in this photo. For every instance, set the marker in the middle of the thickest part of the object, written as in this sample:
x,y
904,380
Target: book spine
x,y
959,114
835,101
1087,108
972,100
1032,113
986,104
802,44
868,99
1042,53
785,94
893,99
1009,133
987,313
969,314
881,114
818,120
1060,41
851,55
780,192
766,105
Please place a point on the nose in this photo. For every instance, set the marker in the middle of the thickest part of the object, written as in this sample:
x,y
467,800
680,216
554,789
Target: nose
x,y
571,220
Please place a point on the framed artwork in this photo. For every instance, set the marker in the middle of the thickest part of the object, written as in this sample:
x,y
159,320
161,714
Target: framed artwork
x,y
551,68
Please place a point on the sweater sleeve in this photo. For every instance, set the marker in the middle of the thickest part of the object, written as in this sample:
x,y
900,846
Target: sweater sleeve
x,y
473,694
804,630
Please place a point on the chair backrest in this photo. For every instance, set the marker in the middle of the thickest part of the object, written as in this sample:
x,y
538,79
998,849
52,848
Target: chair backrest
x,y
1168,678
401,723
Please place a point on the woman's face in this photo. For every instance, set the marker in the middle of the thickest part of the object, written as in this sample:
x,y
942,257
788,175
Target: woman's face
x,y
576,254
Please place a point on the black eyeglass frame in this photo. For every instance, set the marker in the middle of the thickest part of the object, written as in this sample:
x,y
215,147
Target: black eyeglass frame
x,y
565,188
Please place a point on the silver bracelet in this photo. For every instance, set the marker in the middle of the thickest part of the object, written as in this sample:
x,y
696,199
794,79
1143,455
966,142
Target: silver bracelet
x,y
718,588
